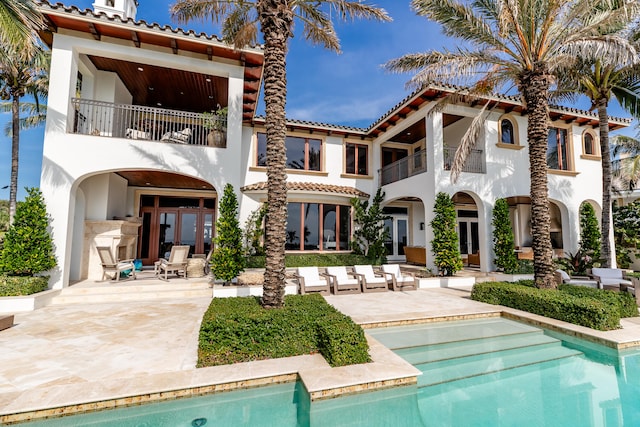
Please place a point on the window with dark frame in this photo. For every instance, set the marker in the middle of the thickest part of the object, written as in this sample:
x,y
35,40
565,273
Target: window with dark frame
x,y
318,226
357,159
506,132
302,153
588,144
557,150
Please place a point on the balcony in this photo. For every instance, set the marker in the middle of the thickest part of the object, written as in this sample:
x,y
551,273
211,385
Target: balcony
x,y
474,163
108,119
403,168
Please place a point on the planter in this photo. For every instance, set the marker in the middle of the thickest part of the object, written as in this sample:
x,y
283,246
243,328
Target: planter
x,y
217,138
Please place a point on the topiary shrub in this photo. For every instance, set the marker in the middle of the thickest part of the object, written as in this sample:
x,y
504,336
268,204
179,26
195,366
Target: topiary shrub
x,y
503,239
584,311
228,258
28,248
624,300
369,233
589,231
445,239
341,341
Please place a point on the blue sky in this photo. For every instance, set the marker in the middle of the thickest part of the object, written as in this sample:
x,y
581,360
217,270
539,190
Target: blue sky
x,y
349,89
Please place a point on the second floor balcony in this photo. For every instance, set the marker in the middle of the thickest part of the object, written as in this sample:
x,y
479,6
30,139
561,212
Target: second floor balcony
x,y
109,119
403,168
473,164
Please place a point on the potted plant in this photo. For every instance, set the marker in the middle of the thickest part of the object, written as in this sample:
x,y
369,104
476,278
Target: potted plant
x,y
216,122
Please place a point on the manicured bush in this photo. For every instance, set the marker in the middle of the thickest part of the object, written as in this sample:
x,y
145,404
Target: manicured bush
x,y
624,300
584,311
228,258
445,239
28,248
589,231
13,286
312,260
503,238
240,330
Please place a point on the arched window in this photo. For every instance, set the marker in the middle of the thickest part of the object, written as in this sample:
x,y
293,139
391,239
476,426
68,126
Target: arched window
x,y
507,135
589,148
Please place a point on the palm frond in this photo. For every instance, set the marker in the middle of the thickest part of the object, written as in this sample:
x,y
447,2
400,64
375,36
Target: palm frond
x,y
468,142
18,21
318,28
349,10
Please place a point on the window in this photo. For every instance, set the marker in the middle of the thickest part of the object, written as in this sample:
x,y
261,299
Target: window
x,y
111,3
302,153
322,227
588,144
356,159
507,135
557,151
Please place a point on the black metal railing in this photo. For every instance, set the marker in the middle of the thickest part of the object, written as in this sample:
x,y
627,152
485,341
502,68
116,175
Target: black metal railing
x,y
109,119
403,168
474,163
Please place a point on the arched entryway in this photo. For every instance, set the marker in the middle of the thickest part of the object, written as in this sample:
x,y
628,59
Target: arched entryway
x,y
468,227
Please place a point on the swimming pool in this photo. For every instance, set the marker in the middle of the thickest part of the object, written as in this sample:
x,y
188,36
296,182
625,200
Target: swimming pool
x,y
491,372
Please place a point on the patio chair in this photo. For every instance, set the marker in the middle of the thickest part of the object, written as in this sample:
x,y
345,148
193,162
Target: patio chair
x,y
111,266
370,280
399,281
610,277
176,263
562,277
340,281
309,280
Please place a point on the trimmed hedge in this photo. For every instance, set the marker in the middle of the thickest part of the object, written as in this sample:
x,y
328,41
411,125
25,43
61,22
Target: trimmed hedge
x,y
240,330
579,310
312,260
625,301
15,286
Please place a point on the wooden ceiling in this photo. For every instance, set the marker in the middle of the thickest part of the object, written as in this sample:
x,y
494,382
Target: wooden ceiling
x,y
142,34
144,178
167,88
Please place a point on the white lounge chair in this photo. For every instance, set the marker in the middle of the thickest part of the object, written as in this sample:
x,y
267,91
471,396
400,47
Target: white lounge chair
x,y
611,277
340,281
111,266
309,280
400,281
563,277
371,282
177,262
181,137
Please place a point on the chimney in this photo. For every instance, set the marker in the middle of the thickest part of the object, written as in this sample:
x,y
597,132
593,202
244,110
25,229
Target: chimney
x,y
122,8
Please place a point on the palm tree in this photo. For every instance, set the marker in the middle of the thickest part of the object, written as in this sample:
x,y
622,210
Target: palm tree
x,y
240,20
601,82
23,70
526,43
18,19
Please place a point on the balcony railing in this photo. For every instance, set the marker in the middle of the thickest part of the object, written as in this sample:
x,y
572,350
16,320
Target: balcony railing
x,y
474,163
403,168
139,122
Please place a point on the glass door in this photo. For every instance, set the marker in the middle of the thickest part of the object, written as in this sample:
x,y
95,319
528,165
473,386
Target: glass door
x,y
397,237
468,236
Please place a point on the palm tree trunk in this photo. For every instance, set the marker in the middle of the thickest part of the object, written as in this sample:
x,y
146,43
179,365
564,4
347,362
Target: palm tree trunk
x,y
15,149
605,222
534,87
275,21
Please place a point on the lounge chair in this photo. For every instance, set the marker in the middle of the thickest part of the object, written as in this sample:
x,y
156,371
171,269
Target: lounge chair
x,y
610,277
371,282
399,281
309,280
562,277
176,263
181,137
340,281
111,266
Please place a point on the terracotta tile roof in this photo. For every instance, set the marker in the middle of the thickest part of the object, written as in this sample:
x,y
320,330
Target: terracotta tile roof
x,y
311,187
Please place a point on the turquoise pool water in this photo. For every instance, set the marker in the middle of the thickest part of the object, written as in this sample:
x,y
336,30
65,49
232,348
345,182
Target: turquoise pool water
x,y
491,372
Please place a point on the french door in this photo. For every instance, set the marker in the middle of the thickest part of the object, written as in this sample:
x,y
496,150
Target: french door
x,y
190,222
397,236
468,236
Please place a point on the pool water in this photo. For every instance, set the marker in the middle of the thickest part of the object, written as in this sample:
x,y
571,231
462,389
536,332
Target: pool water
x,y
488,372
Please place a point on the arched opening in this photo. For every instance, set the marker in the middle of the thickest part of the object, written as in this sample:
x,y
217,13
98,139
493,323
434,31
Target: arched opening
x,y
468,228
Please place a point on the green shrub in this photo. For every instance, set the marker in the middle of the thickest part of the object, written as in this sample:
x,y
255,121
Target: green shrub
x,y
584,311
589,231
13,286
445,246
624,300
240,330
312,260
28,248
503,238
369,232
228,258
